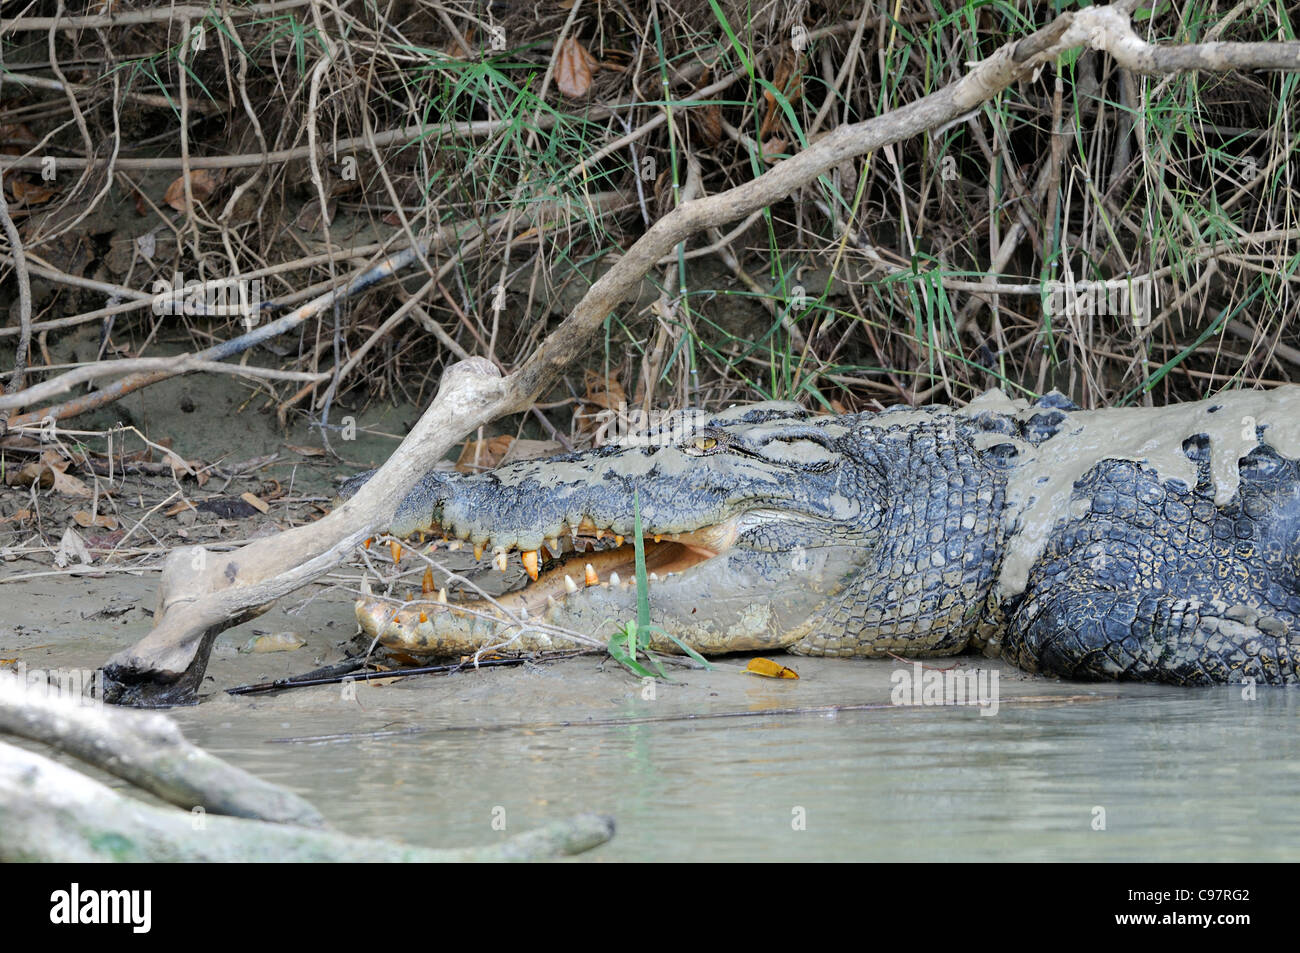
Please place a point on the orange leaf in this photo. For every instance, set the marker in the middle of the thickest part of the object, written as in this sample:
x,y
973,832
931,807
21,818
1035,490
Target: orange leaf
x,y
203,182
573,69
604,392
27,193
769,669
85,520
256,503
483,454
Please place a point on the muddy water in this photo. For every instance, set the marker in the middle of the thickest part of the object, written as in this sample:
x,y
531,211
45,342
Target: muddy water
x,y
1179,775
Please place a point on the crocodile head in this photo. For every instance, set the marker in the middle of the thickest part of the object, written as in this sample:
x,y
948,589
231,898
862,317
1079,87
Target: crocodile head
x,y
750,521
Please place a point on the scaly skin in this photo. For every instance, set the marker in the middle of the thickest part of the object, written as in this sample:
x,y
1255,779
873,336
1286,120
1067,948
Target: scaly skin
x,y
892,533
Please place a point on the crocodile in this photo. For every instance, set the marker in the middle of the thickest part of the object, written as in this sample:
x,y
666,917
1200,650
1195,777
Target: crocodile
x,y
1149,544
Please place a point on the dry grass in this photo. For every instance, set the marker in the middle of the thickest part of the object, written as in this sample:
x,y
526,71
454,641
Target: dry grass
x,y
921,274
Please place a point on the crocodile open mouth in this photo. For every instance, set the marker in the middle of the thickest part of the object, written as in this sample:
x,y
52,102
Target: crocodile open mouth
x,y
580,558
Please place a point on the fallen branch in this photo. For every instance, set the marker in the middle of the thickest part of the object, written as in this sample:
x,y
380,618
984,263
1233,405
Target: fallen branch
x,y
201,595
51,813
148,750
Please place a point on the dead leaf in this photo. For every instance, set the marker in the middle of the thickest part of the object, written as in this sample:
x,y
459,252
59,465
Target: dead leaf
x,y
788,78
29,193
203,182
604,392
483,454
45,475
458,50
307,451
105,541
16,133
180,507
255,502
102,520
531,450
774,147
275,642
708,120
71,547
766,668
574,67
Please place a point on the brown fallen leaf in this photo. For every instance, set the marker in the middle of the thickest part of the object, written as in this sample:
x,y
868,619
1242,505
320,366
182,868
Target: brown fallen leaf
x,y
708,120
574,67
788,78
307,451
20,516
45,475
203,182
16,133
180,507
766,668
255,502
274,642
30,193
531,450
105,541
478,455
604,392
773,147
102,520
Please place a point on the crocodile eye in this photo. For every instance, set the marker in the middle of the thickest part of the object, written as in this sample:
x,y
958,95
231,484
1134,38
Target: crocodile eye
x,y
705,444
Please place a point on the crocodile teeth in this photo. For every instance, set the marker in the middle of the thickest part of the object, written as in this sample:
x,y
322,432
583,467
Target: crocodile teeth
x,y
523,611
442,595
614,579
591,578
654,576
478,551
658,538
365,586
423,617
529,558
366,544
553,545
569,584
618,540
453,546
396,549
500,560
426,584
600,534
550,602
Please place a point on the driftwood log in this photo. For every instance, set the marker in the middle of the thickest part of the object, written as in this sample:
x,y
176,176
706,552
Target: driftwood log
x,y
49,812
147,749
202,594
